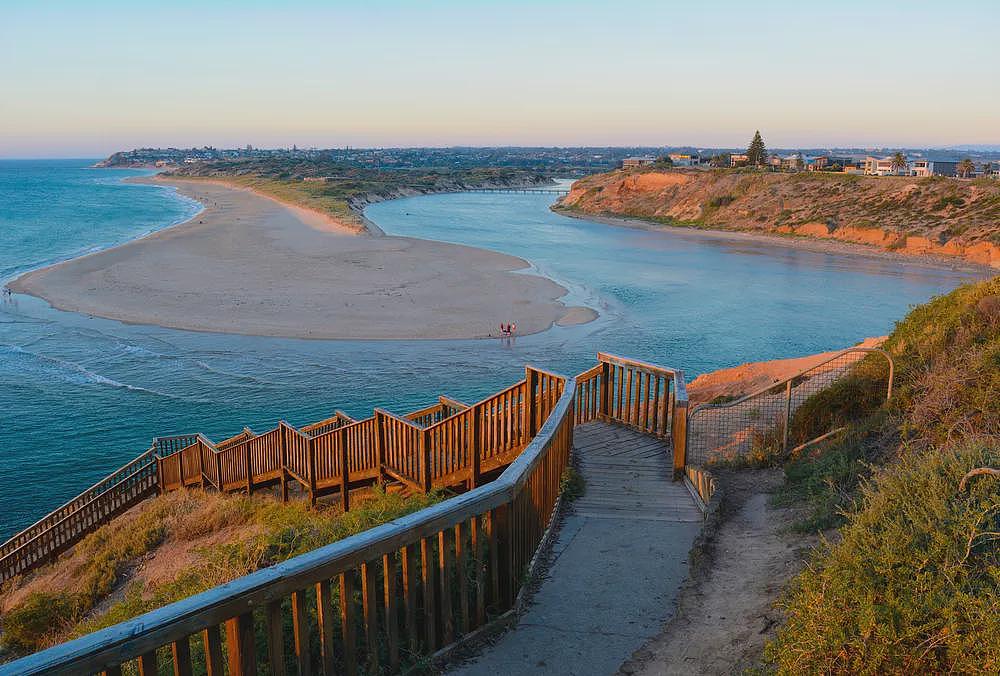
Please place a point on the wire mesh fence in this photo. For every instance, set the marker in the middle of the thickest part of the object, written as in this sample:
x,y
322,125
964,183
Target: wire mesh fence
x,y
758,424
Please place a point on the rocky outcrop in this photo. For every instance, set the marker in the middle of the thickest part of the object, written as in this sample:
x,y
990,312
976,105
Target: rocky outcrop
x,y
918,216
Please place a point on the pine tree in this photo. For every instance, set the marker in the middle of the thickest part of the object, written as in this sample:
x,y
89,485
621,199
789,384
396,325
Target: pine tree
x,y
757,153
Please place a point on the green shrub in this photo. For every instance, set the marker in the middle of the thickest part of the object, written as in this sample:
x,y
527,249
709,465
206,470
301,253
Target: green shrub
x,y
572,485
948,201
32,624
827,477
913,586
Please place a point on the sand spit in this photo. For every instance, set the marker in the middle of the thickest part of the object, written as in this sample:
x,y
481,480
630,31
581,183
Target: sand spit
x,y
248,264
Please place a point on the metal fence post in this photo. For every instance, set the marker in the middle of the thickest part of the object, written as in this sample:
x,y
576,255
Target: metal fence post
x,y
788,415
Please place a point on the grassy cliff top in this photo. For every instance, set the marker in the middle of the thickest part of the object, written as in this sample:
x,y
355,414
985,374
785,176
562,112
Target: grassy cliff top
x,y
937,215
912,583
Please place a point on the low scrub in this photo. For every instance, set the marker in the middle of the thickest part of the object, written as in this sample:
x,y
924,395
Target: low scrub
x,y
911,586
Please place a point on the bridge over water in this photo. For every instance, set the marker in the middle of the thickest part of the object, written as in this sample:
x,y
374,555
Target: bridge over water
x,y
522,191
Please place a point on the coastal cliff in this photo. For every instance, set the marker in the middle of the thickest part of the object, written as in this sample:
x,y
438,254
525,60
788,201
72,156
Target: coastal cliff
x,y
918,216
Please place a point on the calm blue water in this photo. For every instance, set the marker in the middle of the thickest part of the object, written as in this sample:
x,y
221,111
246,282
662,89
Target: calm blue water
x,y
80,396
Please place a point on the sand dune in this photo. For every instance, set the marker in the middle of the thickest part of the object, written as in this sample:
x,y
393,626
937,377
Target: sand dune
x,y
248,264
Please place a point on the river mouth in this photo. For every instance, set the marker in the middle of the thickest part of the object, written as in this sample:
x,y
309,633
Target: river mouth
x,y
75,388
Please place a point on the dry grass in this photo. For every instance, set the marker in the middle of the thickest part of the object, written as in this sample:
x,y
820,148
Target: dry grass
x,y
170,548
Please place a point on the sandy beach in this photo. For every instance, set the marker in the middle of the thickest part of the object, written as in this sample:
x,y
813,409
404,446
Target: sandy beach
x,y
248,264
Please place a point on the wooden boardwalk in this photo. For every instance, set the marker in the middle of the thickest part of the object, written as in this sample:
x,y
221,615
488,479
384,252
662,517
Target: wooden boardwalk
x,y
617,563
629,476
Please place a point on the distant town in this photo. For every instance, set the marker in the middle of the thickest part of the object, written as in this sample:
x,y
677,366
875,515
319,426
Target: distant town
x,y
898,164
575,161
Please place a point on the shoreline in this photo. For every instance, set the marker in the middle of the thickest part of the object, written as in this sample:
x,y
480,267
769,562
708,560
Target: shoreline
x,y
802,243
250,264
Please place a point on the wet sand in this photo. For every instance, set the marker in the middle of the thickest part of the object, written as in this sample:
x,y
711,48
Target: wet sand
x,y
248,264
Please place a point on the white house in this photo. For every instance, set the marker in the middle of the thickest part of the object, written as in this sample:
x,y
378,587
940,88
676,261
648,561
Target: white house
x,y
634,162
684,160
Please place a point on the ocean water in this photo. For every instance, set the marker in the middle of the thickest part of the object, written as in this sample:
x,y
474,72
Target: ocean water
x,y
80,396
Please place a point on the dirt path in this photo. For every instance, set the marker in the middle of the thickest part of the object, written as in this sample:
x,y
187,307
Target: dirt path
x,y
725,612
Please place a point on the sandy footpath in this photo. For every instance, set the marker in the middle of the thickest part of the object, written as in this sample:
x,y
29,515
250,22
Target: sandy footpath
x,y
251,265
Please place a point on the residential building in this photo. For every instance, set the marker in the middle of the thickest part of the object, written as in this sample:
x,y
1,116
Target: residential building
x,y
738,160
793,162
828,163
634,162
882,166
935,168
684,159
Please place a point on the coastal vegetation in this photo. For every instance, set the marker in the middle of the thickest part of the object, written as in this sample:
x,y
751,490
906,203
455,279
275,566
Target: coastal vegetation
x,y
934,215
342,191
911,583
172,547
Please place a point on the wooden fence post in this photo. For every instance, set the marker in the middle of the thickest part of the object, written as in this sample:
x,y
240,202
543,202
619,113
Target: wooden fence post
x,y
312,471
247,465
201,464
380,446
159,475
475,459
531,403
679,436
425,455
605,405
345,478
283,458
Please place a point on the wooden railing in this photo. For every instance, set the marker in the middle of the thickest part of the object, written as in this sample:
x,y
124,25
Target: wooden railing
x,y
387,597
445,408
391,597
643,396
65,526
448,444
336,421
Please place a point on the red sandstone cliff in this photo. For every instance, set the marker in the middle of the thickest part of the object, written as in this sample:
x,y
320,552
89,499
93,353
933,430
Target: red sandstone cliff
x,y
938,216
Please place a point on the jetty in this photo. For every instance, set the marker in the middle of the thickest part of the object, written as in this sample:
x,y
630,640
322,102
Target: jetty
x,y
425,587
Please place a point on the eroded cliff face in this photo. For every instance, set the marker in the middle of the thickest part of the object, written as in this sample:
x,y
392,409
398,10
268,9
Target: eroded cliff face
x,y
919,216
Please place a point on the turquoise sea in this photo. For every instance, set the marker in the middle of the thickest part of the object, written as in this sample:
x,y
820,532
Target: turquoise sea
x,y
80,396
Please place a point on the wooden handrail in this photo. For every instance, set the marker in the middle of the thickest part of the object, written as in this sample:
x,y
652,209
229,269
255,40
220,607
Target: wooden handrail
x,y
71,506
625,361
464,442
487,509
32,547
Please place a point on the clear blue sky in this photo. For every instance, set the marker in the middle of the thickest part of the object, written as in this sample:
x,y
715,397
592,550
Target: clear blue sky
x,y
87,78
